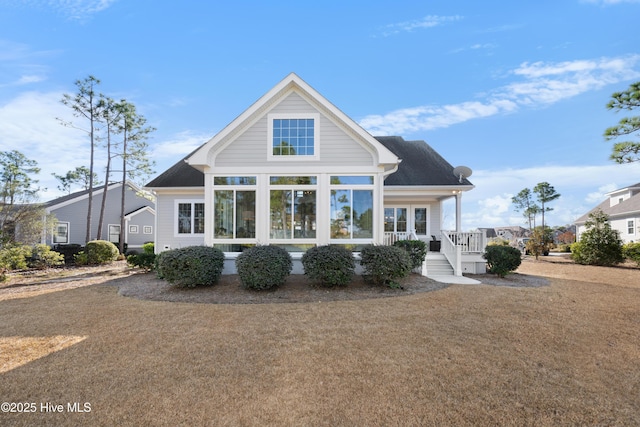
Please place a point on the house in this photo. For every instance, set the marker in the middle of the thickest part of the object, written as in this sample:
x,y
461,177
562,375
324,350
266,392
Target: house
x,y
623,208
294,171
71,214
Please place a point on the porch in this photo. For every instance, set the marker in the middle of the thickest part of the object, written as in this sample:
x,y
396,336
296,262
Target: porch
x,y
461,250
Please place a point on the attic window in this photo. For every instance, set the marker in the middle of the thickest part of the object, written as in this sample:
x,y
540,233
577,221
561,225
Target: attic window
x,y
293,136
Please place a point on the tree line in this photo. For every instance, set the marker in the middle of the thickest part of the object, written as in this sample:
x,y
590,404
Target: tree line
x,y
115,127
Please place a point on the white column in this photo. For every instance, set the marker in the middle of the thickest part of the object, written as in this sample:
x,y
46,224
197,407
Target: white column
x,y
458,211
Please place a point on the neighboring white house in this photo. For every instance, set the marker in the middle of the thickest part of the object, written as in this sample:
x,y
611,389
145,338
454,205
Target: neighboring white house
x,y
293,170
623,208
71,214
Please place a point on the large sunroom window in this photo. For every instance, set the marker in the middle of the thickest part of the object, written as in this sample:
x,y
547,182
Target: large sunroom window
x,y
234,201
293,207
351,207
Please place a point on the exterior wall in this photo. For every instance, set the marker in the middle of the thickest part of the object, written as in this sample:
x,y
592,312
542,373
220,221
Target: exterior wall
x,y
140,220
619,224
166,236
75,214
623,229
336,147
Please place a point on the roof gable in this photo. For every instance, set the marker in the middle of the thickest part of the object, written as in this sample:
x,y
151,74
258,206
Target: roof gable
x,y
630,206
84,194
202,157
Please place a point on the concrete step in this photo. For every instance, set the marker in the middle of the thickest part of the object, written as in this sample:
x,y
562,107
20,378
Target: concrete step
x,y
438,265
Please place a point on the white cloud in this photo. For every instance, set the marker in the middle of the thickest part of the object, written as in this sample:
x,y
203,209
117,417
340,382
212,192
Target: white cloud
x,y
28,124
78,10
543,84
428,21
178,145
489,204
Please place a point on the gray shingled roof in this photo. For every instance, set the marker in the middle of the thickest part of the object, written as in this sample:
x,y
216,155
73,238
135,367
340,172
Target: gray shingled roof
x,y
179,175
629,206
421,165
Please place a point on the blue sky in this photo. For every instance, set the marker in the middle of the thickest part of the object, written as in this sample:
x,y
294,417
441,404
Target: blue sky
x,y
514,90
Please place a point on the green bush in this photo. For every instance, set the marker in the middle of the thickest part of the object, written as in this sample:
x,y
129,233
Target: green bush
x,y
502,260
191,266
631,251
43,257
417,250
14,257
329,265
599,244
146,260
97,252
383,265
263,267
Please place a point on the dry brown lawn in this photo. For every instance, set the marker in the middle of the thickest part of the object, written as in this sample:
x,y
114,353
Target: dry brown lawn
x,y
567,353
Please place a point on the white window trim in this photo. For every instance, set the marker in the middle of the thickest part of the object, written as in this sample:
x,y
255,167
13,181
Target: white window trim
x,y
133,229
355,187
631,227
147,229
296,158
109,232
176,207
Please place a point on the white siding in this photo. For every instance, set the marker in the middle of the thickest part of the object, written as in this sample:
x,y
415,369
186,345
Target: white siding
x,y
335,146
166,223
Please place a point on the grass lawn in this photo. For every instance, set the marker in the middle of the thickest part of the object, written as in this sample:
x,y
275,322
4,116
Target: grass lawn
x,y
563,354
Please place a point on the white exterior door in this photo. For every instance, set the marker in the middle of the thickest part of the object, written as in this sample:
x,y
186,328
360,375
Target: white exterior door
x,y
408,219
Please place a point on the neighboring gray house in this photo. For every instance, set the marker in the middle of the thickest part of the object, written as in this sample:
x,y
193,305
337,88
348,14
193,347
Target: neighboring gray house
x,y
623,208
71,214
295,171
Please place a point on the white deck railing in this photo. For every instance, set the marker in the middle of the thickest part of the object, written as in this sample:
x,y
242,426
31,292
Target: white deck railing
x,y
470,241
390,237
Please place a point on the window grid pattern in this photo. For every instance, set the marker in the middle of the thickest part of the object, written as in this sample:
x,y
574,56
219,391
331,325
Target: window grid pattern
x,y
293,137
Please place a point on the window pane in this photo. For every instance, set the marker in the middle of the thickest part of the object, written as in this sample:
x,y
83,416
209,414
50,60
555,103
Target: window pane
x,y
198,218
421,221
245,214
389,219
61,234
357,180
340,214
305,214
223,217
234,180
114,233
362,214
294,137
401,222
280,214
184,218
293,180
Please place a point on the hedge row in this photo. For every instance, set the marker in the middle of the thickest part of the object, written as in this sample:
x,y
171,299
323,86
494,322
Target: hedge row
x,y
267,267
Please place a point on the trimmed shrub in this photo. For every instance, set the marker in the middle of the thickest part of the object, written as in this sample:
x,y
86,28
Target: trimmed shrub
x,y
383,265
502,260
417,250
97,252
329,265
263,267
631,251
43,257
191,266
